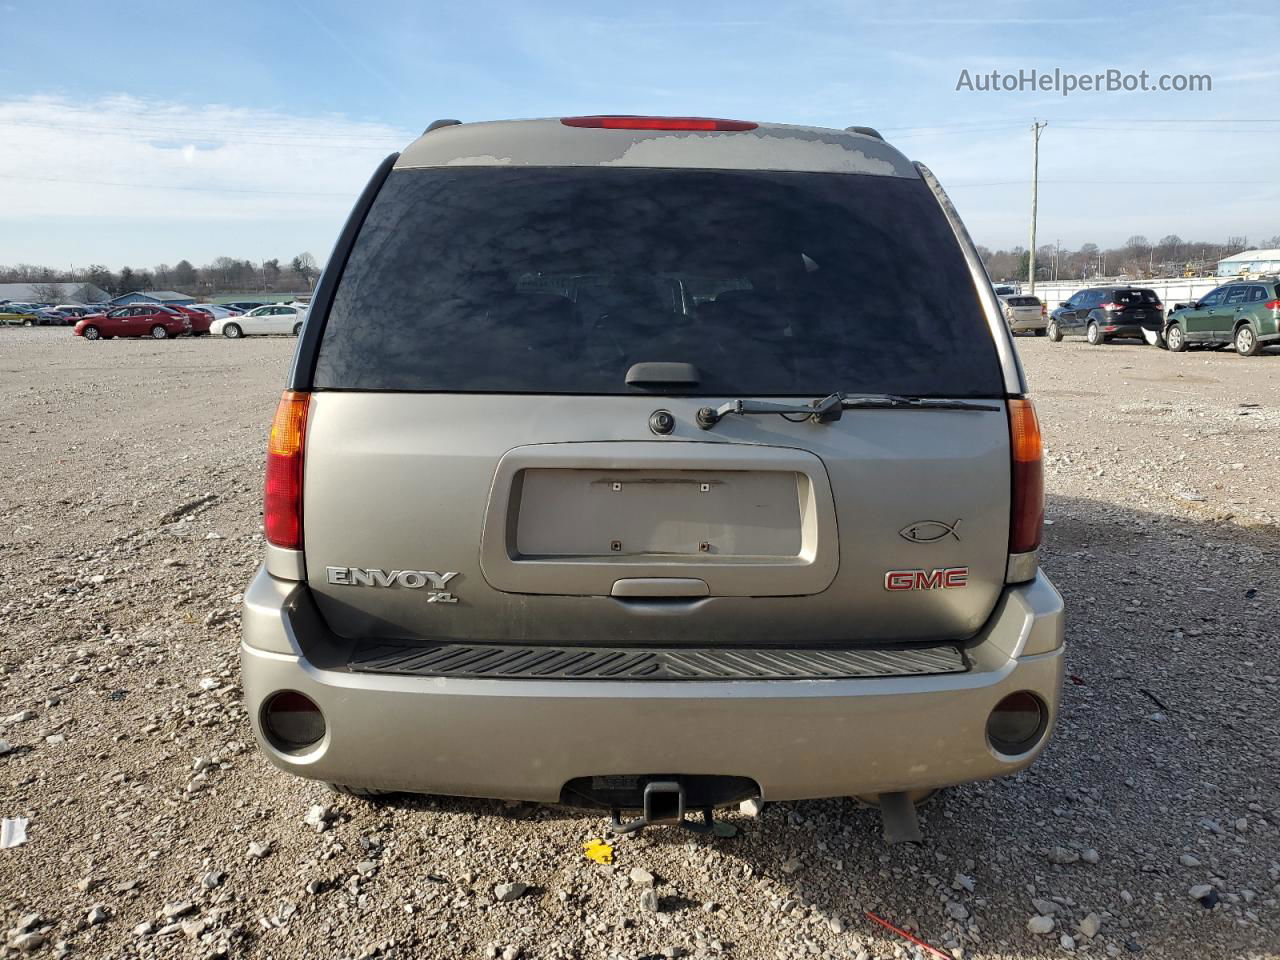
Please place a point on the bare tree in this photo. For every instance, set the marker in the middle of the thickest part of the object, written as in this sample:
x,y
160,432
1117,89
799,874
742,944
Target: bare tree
x,y
48,292
304,265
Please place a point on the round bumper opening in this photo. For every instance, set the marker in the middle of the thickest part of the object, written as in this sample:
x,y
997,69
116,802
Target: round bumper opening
x,y
292,721
1017,723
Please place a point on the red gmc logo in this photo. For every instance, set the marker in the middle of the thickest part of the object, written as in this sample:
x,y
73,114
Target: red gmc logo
x,y
940,578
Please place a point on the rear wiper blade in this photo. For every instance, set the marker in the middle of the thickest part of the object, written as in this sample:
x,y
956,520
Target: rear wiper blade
x,y
829,409
892,401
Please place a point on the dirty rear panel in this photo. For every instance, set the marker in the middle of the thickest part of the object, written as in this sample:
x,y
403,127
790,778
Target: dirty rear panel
x,y
480,460
406,482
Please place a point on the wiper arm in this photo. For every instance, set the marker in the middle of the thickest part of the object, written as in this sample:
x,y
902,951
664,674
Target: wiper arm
x,y
826,410
829,409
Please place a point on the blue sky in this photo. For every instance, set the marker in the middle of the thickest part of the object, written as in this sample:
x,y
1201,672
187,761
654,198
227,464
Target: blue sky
x,y
147,132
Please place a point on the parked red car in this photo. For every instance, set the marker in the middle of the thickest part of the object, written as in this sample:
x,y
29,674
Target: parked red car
x,y
200,320
138,320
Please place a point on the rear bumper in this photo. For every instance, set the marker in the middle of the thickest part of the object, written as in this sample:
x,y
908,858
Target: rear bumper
x,y
1131,329
1030,323
524,739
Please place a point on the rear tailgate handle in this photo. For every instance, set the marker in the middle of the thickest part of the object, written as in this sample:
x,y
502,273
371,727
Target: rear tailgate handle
x,y
633,587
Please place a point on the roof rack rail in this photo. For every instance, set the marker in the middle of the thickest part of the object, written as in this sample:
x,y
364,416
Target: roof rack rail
x,y
437,124
865,131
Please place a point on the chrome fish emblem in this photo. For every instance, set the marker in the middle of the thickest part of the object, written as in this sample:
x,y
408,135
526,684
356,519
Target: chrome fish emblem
x,y
929,531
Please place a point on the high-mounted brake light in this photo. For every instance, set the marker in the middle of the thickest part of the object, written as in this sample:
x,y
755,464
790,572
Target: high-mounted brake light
x,y
658,123
282,504
1026,518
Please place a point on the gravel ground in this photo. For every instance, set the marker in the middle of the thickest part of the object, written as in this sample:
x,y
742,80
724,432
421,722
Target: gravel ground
x,y
1150,828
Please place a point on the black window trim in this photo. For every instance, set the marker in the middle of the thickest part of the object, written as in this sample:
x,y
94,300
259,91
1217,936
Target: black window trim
x,y
302,373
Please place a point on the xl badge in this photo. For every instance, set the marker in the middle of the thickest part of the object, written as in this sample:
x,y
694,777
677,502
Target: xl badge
x,y
929,531
410,579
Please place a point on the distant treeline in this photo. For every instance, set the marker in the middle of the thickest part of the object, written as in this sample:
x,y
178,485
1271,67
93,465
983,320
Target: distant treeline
x,y
1139,257
223,275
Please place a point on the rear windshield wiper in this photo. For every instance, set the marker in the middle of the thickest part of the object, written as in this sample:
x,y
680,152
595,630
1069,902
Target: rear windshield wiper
x,y
829,409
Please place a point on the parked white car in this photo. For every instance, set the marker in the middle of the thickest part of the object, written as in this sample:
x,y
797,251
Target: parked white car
x,y
274,318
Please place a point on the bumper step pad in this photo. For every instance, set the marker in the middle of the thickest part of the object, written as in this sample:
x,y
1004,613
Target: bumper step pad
x,y
539,662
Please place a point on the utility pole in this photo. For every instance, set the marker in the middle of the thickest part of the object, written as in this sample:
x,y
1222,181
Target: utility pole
x,y
1035,190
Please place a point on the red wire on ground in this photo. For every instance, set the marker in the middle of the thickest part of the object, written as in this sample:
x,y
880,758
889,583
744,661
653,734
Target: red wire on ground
x,y
902,933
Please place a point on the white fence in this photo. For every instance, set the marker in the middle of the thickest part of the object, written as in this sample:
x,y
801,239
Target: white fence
x,y
1170,291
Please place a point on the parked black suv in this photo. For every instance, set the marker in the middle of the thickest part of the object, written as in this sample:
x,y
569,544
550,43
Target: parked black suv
x,y
1102,313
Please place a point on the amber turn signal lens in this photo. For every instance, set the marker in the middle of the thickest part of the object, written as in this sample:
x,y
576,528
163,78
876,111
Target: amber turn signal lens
x,y
1026,520
282,503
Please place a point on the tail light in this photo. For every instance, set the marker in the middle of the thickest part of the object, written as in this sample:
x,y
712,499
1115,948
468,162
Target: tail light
x,y
1026,518
1112,306
1272,304
659,123
1044,311
282,504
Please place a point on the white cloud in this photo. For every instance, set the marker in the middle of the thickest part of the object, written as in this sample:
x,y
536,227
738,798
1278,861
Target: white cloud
x,y
121,158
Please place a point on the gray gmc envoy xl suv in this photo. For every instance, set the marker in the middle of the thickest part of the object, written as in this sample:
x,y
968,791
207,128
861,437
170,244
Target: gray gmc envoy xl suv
x,y
654,464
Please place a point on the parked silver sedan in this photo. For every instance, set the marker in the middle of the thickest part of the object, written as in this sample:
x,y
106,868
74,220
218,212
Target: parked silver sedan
x,y
1025,314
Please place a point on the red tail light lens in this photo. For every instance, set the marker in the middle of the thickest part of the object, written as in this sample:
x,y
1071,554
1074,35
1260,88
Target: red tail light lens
x,y
658,123
1272,304
1044,311
1113,306
282,505
1027,516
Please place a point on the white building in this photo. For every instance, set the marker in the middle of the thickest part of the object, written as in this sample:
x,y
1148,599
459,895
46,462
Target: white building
x,y
70,291
1251,262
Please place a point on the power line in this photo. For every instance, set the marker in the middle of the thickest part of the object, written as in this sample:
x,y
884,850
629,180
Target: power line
x,y
340,141
1132,183
160,186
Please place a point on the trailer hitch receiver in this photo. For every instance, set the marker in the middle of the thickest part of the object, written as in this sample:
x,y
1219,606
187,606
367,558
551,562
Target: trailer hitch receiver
x,y
663,806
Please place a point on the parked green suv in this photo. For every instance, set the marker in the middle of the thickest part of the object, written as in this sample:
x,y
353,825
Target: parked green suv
x,y
1244,313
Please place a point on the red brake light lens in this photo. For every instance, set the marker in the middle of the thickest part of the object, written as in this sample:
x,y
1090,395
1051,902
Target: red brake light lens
x,y
1272,304
1026,519
282,504
1112,306
658,123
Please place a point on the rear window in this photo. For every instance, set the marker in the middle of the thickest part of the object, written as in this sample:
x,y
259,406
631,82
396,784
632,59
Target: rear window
x,y
556,280
1022,301
1134,296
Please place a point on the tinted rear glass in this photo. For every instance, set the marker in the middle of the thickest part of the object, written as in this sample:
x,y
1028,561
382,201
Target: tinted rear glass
x,y
1135,296
557,280
1022,301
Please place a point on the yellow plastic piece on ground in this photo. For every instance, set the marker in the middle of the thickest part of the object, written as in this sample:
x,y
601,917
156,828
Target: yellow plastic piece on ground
x,y
598,850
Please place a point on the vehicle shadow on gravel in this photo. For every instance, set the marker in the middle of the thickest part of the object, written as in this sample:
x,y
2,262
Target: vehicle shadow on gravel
x,y
1162,775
